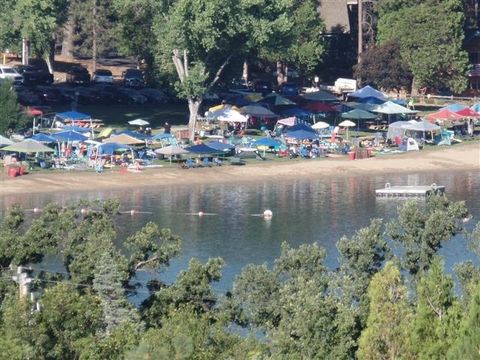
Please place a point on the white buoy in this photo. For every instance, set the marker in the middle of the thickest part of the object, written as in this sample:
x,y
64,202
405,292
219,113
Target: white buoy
x,y
200,213
132,212
467,219
83,211
36,210
267,214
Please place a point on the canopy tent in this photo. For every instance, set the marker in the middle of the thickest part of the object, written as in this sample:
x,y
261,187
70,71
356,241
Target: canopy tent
x,y
397,128
318,107
230,115
297,112
69,136
454,107
368,92
76,129
390,108
202,149
72,115
134,134
123,139
257,111
105,132
361,106
139,122
302,135
422,126
171,150
358,114
44,138
163,136
4,141
303,127
33,111
321,96
320,125
267,142
289,121
110,148
476,107
468,113
443,115
217,145
238,100
28,146
275,100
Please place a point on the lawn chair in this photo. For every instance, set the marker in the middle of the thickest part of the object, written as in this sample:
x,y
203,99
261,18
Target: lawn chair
x,y
206,162
237,161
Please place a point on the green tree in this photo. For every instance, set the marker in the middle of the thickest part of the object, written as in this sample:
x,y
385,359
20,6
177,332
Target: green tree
x,y
383,67
430,35
437,314
467,345
11,118
422,230
385,335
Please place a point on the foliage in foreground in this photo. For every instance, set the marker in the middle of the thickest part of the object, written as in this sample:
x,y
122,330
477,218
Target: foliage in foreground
x,y
374,305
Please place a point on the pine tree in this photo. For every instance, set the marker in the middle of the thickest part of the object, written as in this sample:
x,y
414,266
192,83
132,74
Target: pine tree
x,y
11,118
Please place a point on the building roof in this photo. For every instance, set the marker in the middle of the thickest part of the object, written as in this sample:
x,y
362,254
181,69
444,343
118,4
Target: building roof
x,y
335,15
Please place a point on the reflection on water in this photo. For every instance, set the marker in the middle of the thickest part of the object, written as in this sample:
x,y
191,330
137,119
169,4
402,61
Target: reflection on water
x,y
304,211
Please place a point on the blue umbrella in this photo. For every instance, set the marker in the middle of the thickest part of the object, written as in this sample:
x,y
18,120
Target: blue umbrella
x,y
301,135
69,136
202,149
44,138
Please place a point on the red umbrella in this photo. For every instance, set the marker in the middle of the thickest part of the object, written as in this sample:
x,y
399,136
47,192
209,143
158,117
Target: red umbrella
x,y
468,113
444,114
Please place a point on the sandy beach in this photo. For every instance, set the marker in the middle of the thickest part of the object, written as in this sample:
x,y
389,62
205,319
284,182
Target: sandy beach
x,y
459,157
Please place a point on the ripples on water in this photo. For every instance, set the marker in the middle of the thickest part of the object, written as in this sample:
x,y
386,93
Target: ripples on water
x,y
304,211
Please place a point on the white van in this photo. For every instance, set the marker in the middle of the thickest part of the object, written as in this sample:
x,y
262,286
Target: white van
x,y
9,73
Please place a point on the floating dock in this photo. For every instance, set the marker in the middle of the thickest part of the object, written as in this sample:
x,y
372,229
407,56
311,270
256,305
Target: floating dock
x,y
409,191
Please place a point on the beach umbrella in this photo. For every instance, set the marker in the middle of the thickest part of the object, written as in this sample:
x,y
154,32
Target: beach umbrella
x,y
28,146
43,138
139,122
347,124
69,136
320,125
124,139
443,115
5,141
170,151
202,149
230,115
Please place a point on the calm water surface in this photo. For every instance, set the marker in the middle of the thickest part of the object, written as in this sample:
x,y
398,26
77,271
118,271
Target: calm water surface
x,y
304,211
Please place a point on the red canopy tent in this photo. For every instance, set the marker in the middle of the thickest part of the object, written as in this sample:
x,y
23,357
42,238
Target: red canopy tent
x,y
443,115
468,113
34,112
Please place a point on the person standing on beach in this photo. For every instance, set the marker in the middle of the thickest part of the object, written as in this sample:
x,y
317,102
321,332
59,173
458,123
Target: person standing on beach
x,y
167,128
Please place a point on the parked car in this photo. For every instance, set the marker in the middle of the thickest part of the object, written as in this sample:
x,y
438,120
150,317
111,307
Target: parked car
x,y
289,89
9,73
263,87
78,75
33,75
133,78
103,76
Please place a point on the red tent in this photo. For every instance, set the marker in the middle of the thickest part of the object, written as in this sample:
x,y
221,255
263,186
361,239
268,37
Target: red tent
x,y
34,112
468,113
445,115
319,107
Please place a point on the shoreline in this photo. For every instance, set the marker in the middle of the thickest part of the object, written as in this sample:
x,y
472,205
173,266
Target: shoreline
x,y
462,157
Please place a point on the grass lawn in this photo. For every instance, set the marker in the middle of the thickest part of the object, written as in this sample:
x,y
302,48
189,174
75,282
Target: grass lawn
x,y
117,115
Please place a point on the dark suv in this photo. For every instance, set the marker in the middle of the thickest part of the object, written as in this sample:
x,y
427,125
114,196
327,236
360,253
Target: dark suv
x,y
133,78
33,75
78,75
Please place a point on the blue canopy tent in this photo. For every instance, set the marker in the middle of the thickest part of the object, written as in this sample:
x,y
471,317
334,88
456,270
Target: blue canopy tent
x,y
110,148
267,142
454,107
69,136
371,100
297,112
476,107
368,92
203,149
302,135
239,101
217,145
303,127
44,138
72,115
76,128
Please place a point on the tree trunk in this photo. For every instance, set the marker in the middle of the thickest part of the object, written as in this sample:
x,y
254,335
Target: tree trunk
x,y
245,71
94,37
68,34
193,107
414,91
281,78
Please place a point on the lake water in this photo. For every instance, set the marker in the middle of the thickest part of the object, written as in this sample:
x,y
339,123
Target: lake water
x,y
304,211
